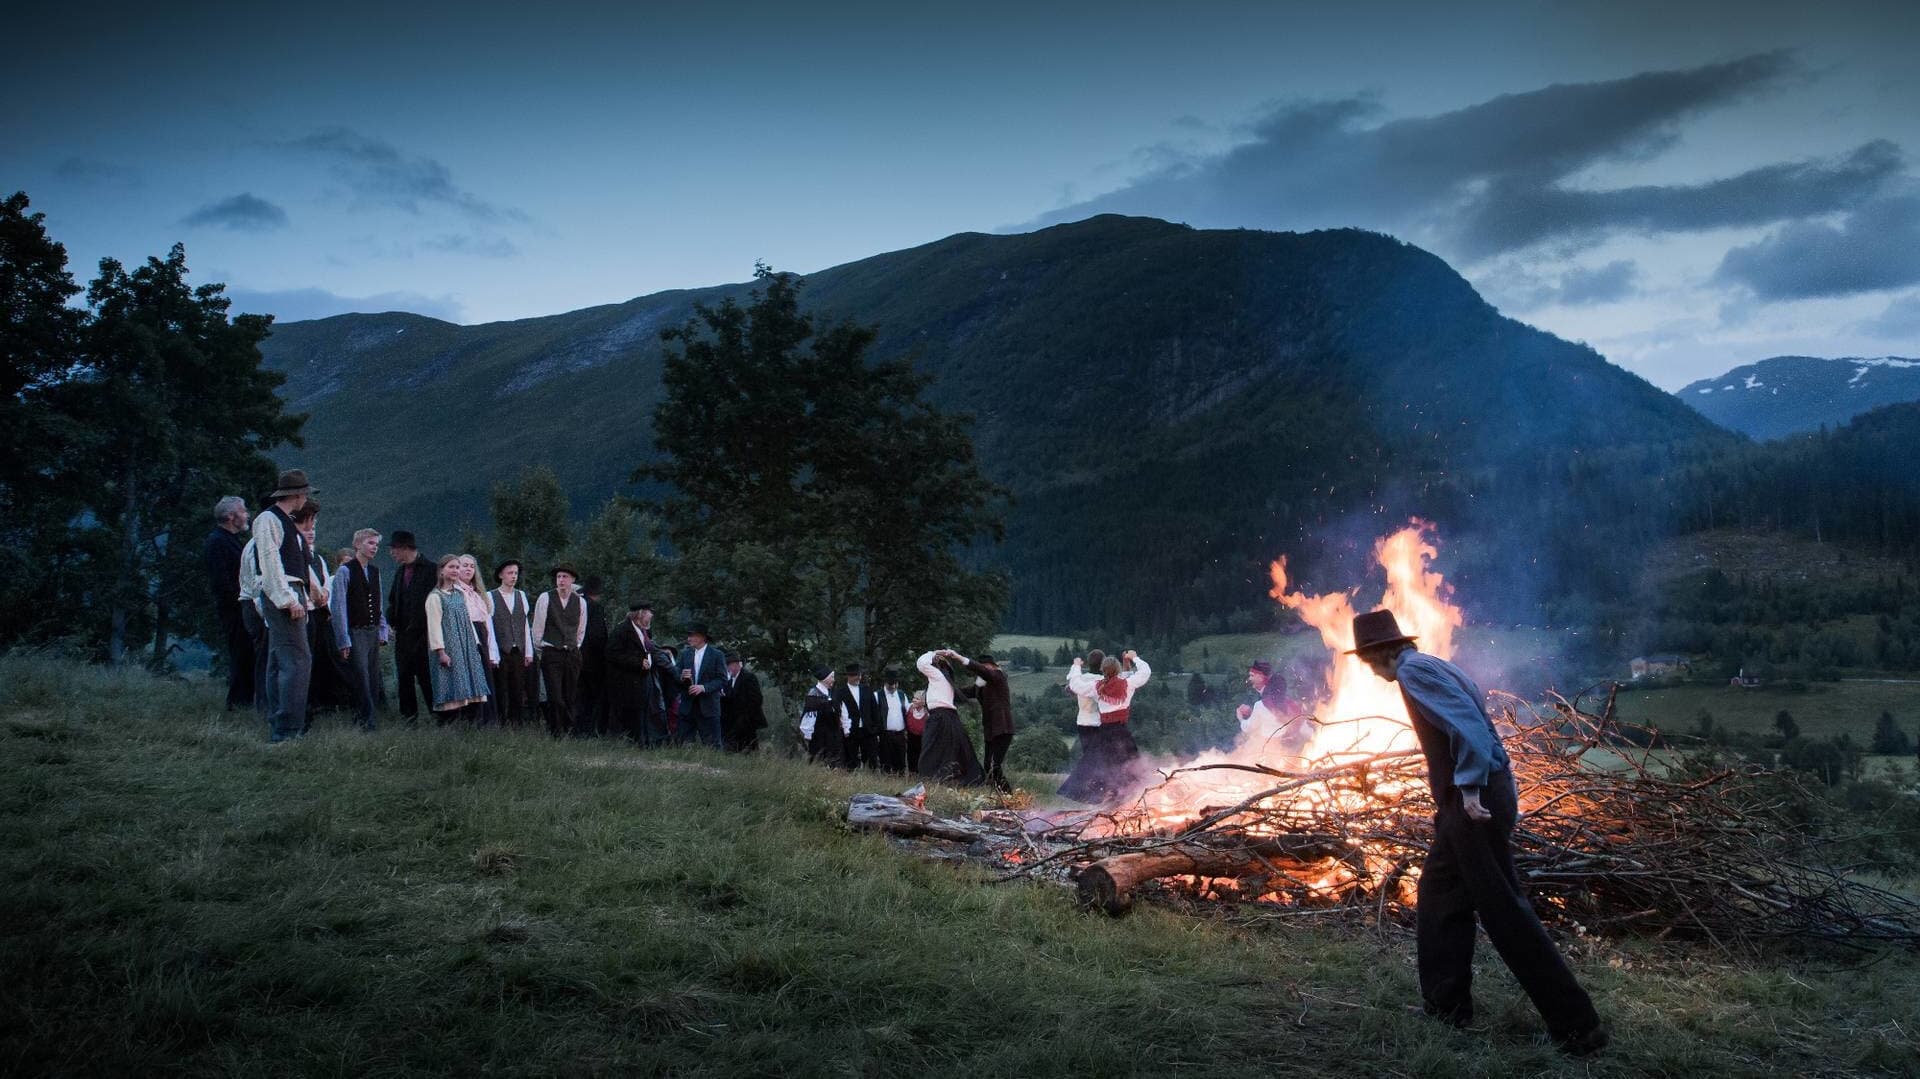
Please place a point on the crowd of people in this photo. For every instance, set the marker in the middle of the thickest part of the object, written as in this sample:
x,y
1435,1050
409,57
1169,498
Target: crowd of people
x,y
303,635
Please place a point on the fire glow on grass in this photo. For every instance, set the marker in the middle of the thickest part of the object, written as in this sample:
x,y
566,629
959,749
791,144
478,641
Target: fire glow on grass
x,y
1354,715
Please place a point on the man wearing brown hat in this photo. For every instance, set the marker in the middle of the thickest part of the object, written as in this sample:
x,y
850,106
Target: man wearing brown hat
x,y
1469,871
284,563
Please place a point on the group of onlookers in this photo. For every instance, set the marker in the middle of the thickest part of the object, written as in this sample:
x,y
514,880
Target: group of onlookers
x,y
474,654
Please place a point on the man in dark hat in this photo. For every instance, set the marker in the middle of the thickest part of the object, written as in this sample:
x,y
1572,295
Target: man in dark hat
x,y
284,581
859,714
632,693
894,706
1469,871
703,673
595,717
413,581
513,628
742,710
1267,710
996,717
559,631
820,720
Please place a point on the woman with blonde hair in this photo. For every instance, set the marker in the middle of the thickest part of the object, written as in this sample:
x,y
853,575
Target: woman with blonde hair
x,y
480,609
458,672
916,728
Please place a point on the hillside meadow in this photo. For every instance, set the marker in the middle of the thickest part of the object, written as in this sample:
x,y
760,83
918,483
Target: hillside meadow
x,y
178,897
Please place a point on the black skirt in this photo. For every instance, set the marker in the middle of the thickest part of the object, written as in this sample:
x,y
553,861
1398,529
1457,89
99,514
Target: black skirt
x,y
946,753
1107,766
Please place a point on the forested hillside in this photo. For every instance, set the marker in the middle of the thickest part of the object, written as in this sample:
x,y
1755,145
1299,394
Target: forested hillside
x,y
1171,408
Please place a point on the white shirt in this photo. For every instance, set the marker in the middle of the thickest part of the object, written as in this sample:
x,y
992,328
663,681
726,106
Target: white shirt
x,y
1081,686
939,688
699,654
846,713
250,573
1084,684
268,535
896,710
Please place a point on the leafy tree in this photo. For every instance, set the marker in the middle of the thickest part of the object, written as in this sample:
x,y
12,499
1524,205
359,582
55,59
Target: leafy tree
x,y
181,412
530,523
1197,691
1888,738
1783,722
819,505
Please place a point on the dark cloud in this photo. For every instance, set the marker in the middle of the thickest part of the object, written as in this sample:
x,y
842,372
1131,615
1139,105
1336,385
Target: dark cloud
x,y
294,305
492,247
87,170
1500,176
244,212
1875,247
379,173
1900,321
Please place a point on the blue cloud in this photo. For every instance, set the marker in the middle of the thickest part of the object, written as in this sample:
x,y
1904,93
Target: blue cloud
x,y
242,213
1873,248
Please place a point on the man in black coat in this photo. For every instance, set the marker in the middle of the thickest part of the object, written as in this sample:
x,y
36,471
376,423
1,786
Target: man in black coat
x,y
224,545
743,714
413,581
595,717
632,692
996,717
703,679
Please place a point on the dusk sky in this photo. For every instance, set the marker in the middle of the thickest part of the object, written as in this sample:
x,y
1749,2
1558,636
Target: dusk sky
x,y
1685,186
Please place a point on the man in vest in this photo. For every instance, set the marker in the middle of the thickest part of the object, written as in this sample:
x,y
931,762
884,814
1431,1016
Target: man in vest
x,y
513,629
893,722
559,631
1469,873
283,588
359,623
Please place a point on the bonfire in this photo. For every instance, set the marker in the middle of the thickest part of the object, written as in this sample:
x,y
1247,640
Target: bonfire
x,y
1612,837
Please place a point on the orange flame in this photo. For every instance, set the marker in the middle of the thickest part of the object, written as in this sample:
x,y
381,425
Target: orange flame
x,y
1363,714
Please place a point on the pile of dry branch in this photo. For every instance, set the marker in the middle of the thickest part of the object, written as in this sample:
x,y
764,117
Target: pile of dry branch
x,y
1611,839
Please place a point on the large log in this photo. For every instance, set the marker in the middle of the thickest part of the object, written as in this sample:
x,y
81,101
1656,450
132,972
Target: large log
x,y
878,812
1108,884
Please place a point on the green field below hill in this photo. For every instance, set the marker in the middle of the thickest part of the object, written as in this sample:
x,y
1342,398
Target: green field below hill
x,y
1820,709
178,896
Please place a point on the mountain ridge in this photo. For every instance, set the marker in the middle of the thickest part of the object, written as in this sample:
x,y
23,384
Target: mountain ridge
x,y
1182,404
1818,392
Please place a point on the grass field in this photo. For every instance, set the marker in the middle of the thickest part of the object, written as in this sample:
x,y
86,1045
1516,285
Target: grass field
x,y
1821,710
177,896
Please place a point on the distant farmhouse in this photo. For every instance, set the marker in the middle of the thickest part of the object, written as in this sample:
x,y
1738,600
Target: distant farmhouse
x,y
1658,666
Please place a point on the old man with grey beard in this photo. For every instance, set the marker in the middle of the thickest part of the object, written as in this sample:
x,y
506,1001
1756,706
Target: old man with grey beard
x,y
1469,873
224,545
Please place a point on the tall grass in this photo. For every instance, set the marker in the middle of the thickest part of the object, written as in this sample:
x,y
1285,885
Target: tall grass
x,y
176,895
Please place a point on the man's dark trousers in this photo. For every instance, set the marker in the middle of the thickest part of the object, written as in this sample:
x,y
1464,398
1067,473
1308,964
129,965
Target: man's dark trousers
x,y
560,669
364,660
240,684
410,670
1470,872
291,668
997,747
256,628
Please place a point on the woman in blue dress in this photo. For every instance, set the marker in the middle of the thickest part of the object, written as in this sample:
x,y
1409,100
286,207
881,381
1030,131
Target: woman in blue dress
x,y
459,672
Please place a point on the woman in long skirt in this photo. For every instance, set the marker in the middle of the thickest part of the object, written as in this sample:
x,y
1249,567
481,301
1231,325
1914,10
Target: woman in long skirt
x,y
459,675
1108,751
946,752
1086,780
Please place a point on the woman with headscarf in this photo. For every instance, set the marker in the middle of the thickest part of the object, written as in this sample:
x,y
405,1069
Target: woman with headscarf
x,y
458,672
916,729
946,752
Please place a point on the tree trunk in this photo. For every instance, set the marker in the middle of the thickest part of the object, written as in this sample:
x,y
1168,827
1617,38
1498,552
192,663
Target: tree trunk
x,y
1108,884
129,566
880,813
